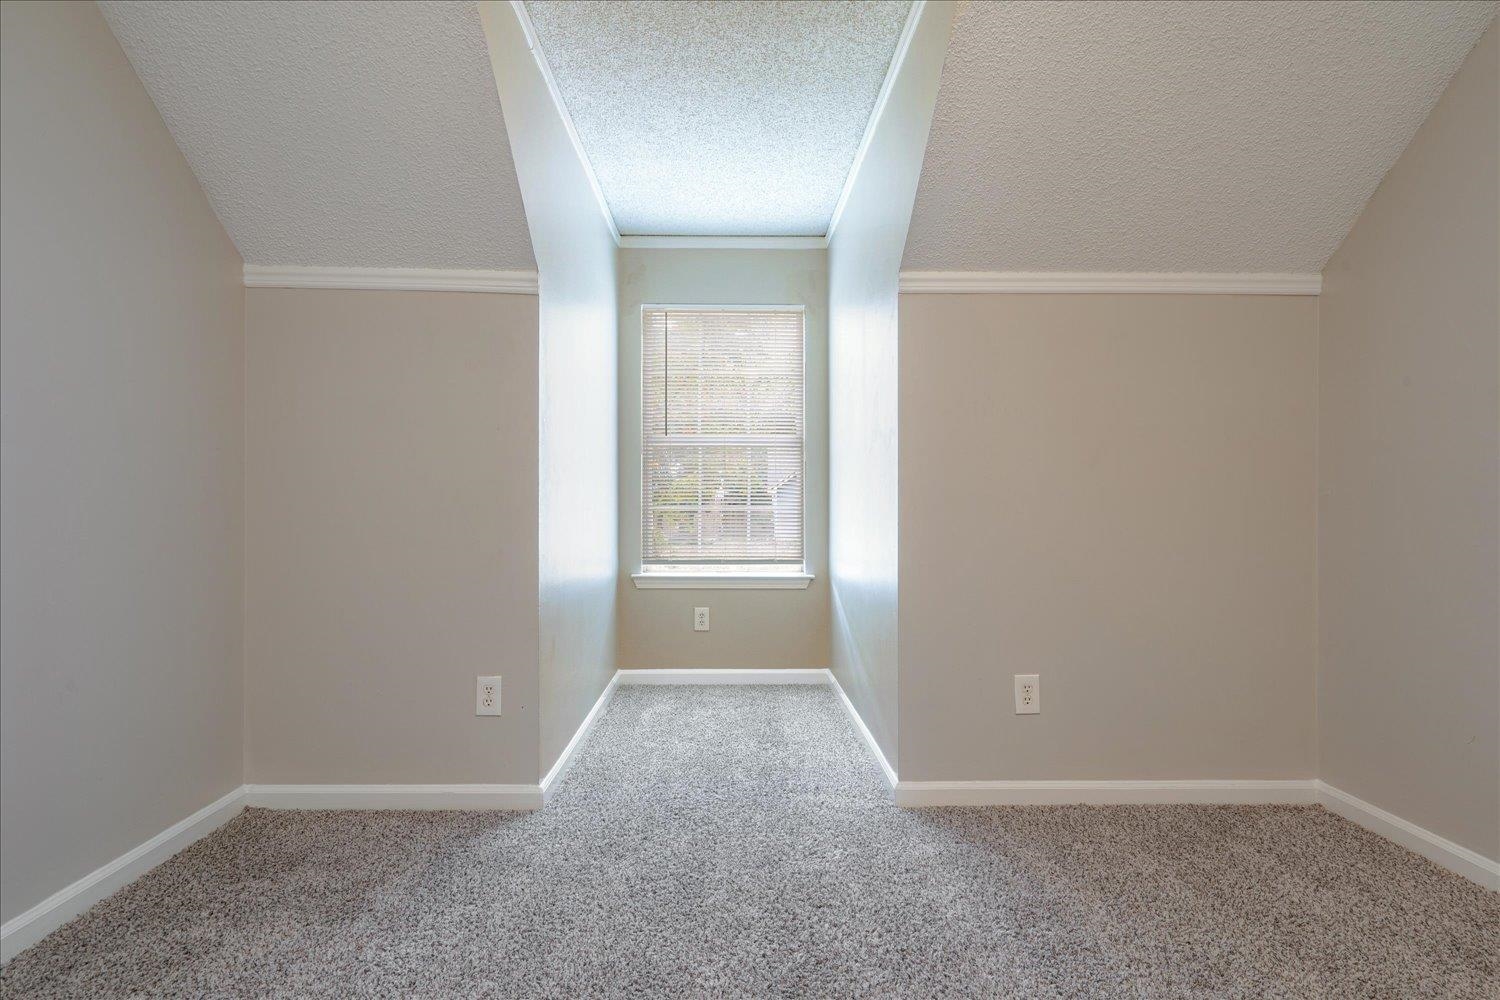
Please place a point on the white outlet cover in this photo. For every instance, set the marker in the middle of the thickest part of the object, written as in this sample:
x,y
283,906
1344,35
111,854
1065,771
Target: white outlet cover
x,y
1028,694
700,619
487,696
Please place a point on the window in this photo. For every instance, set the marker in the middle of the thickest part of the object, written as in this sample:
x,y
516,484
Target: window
x,y
721,440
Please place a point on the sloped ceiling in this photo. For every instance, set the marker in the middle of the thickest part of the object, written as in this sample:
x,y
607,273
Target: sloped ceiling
x,y
1096,136
728,118
337,134
1230,136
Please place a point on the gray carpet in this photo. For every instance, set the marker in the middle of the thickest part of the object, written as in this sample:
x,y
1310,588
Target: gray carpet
x,y
738,842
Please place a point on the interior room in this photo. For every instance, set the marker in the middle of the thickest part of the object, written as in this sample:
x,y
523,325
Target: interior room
x,y
750,498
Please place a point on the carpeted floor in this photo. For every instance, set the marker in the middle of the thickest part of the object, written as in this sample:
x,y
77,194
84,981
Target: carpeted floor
x,y
738,842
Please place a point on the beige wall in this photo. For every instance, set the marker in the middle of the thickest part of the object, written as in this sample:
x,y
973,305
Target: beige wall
x,y
391,556
121,357
751,628
1409,514
1116,492
864,260
576,432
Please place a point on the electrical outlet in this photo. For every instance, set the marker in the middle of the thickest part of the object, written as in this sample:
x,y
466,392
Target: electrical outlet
x,y
487,696
700,619
1028,694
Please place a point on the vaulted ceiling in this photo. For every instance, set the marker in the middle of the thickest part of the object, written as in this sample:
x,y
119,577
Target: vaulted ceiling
x,y
336,134
1131,136
1228,136
708,119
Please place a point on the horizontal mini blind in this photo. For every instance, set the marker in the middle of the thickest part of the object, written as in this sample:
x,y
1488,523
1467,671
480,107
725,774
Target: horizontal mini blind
x,y
721,421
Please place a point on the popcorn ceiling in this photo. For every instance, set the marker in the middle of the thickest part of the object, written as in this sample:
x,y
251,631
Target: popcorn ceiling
x,y
1170,136
1106,136
337,134
719,118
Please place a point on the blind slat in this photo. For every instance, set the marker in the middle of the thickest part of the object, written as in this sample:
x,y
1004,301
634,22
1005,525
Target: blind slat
x,y
722,429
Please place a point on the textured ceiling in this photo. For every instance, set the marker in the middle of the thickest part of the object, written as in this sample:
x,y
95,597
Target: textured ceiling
x,y
1232,136
337,134
719,118
1155,136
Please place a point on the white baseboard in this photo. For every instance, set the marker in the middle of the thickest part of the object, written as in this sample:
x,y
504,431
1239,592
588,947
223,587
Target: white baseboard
x,y
1012,793
565,759
1229,791
864,731
915,794
712,675
521,797
1454,857
28,928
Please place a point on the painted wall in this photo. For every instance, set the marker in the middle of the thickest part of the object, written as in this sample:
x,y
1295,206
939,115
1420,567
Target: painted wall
x,y
1116,492
864,260
751,628
121,360
390,535
1409,512
578,432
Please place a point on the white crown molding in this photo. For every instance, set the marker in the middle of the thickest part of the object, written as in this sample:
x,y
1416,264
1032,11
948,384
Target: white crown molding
x,y
723,242
1455,857
518,797
1011,793
26,929
1099,282
903,45
565,759
409,279
535,45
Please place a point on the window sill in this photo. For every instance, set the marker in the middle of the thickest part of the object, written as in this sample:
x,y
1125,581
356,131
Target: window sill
x,y
721,581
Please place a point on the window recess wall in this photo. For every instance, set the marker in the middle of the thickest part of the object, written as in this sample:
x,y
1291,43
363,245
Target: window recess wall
x,y
769,605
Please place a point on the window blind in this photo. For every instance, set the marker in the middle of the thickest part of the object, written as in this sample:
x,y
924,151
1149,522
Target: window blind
x,y
722,436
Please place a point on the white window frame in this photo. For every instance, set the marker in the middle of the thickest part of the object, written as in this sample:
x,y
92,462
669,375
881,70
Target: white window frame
x,y
767,576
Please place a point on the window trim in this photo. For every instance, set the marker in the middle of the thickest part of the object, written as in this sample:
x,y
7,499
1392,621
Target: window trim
x,y
757,576
722,581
